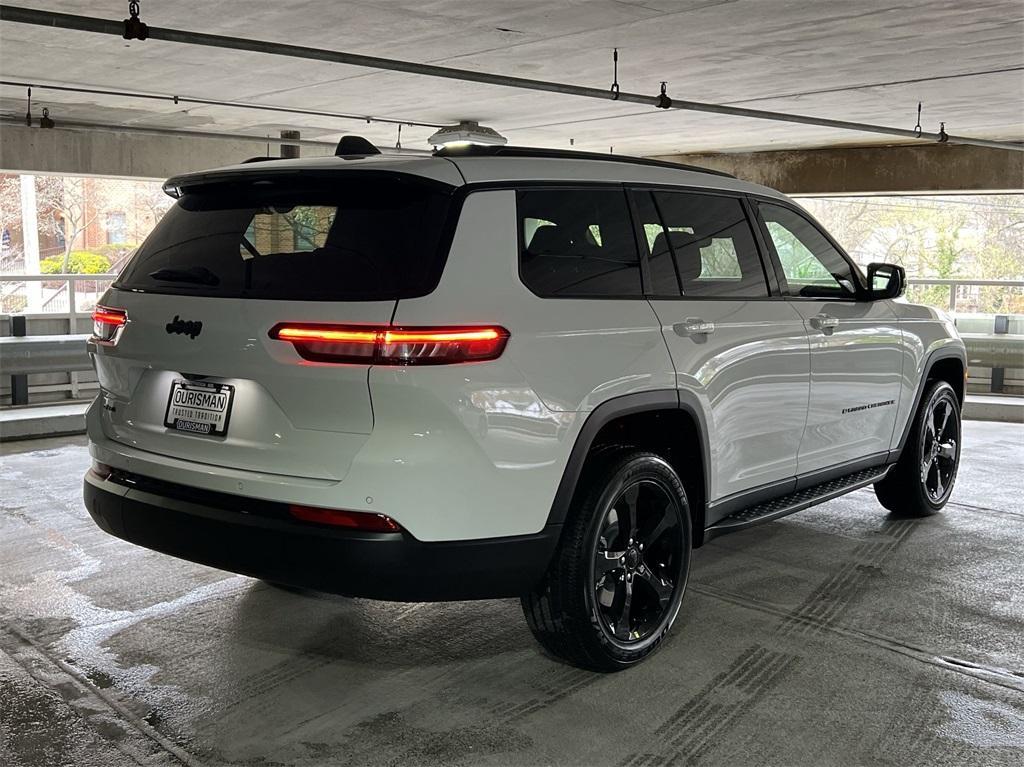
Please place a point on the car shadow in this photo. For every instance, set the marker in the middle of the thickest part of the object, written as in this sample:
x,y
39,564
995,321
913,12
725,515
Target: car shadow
x,y
382,634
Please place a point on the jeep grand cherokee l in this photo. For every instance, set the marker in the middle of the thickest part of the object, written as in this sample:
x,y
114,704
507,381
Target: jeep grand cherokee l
x,y
503,372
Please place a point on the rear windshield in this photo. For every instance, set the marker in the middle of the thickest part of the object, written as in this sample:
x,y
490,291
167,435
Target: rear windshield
x,y
347,238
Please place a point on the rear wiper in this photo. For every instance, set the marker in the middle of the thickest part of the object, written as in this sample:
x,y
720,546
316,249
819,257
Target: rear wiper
x,y
200,275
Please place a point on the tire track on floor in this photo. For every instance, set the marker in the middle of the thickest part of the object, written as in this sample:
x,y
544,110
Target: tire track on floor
x,y
1012,680
548,687
698,732
914,739
985,509
825,604
694,729
257,685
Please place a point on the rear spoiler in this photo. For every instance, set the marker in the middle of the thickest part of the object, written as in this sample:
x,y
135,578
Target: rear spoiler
x,y
265,173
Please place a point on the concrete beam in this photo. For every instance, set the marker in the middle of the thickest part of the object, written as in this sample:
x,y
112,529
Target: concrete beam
x,y
866,170
121,153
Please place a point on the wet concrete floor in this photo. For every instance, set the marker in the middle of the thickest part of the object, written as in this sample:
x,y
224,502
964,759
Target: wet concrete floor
x,y
837,636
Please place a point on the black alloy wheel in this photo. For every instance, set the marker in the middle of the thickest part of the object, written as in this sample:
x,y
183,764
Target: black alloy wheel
x,y
921,481
940,449
635,565
616,582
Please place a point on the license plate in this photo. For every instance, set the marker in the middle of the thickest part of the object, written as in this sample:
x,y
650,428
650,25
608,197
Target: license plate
x,y
199,408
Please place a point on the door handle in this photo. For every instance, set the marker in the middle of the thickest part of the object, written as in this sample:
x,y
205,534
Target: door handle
x,y
693,326
826,323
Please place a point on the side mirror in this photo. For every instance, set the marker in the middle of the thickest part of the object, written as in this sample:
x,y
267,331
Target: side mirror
x,y
886,281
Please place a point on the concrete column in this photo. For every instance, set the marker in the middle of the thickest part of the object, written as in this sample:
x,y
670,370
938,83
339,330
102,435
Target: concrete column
x,y
290,150
30,241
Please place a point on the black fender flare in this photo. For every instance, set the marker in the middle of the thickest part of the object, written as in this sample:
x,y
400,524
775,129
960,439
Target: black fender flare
x,y
617,407
950,351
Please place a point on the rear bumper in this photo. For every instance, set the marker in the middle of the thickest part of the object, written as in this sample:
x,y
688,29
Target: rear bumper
x,y
248,536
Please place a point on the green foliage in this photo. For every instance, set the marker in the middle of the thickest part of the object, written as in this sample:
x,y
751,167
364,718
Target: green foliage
x,y
718,260
79,262
798,263
114,251
947,237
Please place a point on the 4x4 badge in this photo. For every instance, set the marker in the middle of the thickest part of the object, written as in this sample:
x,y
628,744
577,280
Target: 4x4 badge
x,y
189,328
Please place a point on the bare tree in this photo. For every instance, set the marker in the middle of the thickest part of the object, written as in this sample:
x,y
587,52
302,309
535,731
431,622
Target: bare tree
x,y
10,202
10,220
67,206
151,196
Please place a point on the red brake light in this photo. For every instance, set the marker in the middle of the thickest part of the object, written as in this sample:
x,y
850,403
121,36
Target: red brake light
x,y
106,324
353,520
101,470
373,345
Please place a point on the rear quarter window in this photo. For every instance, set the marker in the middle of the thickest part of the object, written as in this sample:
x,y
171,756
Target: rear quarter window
x,y
577,243
345,238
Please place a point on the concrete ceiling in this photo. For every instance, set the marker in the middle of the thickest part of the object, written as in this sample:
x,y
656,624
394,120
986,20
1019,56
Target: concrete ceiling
x,y
862,60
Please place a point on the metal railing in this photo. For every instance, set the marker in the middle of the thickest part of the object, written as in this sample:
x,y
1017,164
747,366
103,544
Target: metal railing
x,y
77,305
72,280
995,345
70,289
956,283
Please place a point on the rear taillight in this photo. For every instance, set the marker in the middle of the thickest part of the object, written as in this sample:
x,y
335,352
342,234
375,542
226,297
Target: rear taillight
x,y
353,520
371,345
101,470
107,324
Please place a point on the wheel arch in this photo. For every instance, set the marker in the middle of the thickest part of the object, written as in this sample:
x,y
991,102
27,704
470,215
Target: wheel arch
x,y
951,369
947,363
668,422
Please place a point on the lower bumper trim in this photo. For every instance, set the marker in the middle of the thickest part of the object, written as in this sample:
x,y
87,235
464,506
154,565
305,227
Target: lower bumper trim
x,y
388,566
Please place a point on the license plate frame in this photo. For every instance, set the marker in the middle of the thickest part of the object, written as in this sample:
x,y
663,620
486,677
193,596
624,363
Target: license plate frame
x,y
206,413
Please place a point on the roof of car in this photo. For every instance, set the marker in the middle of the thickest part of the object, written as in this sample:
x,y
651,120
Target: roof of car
x,y
491,165
476,150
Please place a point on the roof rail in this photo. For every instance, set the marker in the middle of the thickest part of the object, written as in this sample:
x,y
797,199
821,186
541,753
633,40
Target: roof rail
x,y
476,150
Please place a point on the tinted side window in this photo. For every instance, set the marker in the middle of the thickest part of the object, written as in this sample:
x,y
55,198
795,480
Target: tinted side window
x,y
704,243
660,265
577,242
811,265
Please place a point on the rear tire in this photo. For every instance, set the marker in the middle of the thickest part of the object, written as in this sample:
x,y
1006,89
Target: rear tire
x,y
921,482
616,581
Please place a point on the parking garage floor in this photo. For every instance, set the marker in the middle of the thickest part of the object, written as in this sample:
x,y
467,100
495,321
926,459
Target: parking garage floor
x,y
836,636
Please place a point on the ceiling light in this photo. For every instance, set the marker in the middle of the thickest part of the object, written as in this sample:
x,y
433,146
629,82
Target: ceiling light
x,y
467,132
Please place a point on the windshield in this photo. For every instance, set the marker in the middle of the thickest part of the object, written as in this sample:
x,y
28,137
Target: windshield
x,y
347,238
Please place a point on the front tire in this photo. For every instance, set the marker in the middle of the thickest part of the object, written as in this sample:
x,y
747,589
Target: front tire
x,y
616,582
921,482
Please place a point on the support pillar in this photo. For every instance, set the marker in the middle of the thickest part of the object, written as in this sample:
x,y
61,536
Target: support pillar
x,y
290,150
30,242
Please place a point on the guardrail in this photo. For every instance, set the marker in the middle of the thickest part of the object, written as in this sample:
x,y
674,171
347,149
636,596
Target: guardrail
x,y
43,354
80,302
22,355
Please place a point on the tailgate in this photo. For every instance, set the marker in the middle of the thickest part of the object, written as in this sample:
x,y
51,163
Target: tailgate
x,y
287,415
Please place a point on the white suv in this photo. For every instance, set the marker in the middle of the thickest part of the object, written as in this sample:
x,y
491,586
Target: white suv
x,y
503,372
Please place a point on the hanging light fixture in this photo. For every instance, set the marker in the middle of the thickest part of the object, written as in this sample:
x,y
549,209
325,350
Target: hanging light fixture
x,y
467,132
